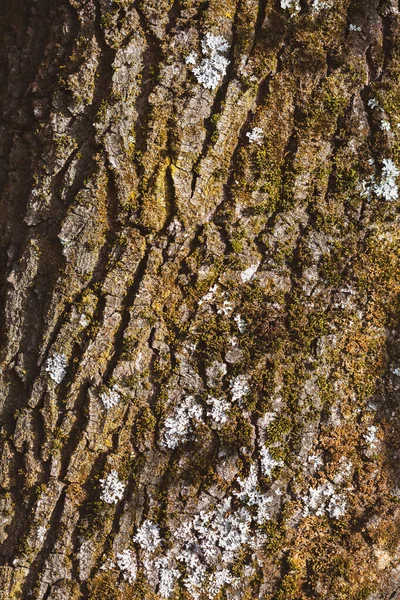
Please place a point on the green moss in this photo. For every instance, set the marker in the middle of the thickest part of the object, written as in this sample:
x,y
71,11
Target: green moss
x,y
106,587
289,588
279,428
144,425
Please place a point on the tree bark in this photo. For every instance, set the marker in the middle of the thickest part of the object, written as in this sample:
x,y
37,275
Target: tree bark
x,y
199,235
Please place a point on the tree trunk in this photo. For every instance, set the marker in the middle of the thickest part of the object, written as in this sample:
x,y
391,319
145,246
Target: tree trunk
x,y
199,234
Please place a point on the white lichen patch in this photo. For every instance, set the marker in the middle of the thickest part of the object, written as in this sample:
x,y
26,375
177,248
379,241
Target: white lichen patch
x,y
148,536
315,460
218,580
41,533
354,27
213,65
337,506
191,58
240,322
387,187
373,103
215,538
250,495
344,471
371,437
219,299
256,135
205,547
248,273
167,576
112,489
321,5
84,320
179,427
226,308
292,5
239,387
219,534
323,499
210,295
56,366
268,463
219,409
110,398
215,373
126,562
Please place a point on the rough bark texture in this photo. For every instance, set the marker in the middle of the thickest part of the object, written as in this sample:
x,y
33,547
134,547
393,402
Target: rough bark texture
x,y
210,314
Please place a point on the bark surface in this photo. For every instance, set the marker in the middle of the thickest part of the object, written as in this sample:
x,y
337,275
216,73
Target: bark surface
x,y
199,261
